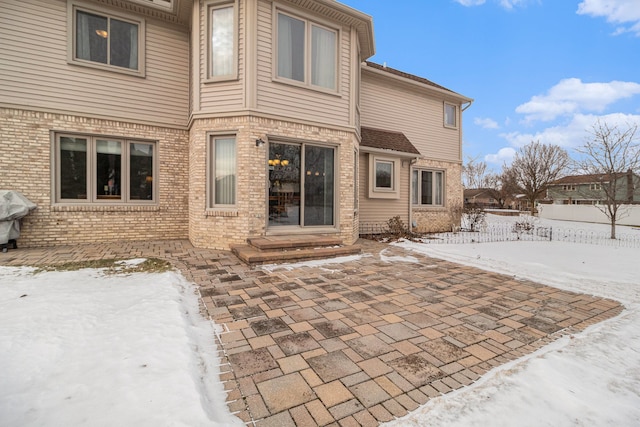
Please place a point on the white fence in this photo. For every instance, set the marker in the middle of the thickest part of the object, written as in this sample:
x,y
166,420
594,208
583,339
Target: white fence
x,y
627,214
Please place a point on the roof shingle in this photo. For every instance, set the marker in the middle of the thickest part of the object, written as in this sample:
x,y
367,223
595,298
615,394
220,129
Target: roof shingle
x,y
387,140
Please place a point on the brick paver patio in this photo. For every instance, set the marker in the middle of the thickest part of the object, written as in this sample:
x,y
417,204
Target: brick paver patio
x,y
359,342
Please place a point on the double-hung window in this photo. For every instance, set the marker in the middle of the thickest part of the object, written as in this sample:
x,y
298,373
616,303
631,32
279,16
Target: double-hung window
x,y
222,41
307,52
95,169
222,171
427,187
450,115
108,41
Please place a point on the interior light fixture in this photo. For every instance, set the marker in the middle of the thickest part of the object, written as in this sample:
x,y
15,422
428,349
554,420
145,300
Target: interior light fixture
x,y
102,33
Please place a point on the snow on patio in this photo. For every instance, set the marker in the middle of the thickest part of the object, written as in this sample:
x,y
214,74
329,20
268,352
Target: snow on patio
x,y
83,348
590,379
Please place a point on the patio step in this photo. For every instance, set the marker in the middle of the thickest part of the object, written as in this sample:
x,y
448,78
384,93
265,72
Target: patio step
x,y
277,249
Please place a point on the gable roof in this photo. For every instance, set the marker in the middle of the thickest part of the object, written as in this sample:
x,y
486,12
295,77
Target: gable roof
x,y
387,140
475,192
413,78
587,179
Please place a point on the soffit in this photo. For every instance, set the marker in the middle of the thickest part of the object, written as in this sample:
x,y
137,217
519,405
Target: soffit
x,y
345,15
174,11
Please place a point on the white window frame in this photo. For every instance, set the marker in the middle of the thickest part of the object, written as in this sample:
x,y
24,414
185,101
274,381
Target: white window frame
x,y
376,192
210,7
92,197
309,24
72,11
212,137
447,115
416,188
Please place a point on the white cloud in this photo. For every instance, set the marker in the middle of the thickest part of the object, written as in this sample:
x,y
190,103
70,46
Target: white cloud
x,y
573,134
470,2
504,155
486,123
572,96
616,11
509,4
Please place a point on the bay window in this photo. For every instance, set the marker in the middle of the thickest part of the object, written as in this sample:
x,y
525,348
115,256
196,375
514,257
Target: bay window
x,y
306,52
93,169
222,41
222,171
427,188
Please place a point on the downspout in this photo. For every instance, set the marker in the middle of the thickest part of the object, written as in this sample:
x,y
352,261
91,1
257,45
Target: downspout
x,y
411,163
462,110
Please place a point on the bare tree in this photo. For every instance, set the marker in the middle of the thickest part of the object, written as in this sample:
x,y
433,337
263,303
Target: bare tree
x,y
504,186
611,154
537,165
474,173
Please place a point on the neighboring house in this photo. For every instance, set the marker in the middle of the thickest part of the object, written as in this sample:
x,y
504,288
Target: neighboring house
x,y
216,120
588,189
480,197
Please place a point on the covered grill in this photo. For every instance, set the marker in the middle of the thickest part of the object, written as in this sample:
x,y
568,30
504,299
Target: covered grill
x,y
13,207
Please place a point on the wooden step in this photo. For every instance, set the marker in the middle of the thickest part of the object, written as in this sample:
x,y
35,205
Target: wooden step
x,y
293,242
253,255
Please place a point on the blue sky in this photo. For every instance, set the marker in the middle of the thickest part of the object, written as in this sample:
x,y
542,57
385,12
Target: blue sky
x,y
537,69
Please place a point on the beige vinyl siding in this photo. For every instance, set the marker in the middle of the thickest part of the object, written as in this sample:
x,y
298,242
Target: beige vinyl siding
x,y
390,105
34,72
221,96
299,102
379,211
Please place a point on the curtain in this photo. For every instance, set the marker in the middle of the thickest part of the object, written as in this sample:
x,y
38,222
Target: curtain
x,y
222,35
123,43
427,188
133,54
225,171
439,182
83,47
291,41
323,57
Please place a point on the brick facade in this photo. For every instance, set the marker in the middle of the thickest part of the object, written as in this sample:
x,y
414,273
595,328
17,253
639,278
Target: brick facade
x,y
217,228
25,166
447,217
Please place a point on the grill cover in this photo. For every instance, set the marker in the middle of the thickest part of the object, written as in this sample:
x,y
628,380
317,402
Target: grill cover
x,y
13,206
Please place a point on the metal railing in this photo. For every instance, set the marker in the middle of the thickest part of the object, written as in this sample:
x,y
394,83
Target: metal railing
x,y
507,232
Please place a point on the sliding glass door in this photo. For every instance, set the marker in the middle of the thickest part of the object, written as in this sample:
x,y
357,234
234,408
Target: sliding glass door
x,y
301,185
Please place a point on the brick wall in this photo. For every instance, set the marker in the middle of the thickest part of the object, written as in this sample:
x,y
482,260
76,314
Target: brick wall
x,y
218,228
25,166
439,219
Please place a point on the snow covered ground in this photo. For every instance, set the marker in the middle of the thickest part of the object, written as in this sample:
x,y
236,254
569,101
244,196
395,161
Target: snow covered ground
x,y
590,379
87,349
83,348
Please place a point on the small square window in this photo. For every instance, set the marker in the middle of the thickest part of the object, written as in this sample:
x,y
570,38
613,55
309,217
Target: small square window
x,y
384,177
450,115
